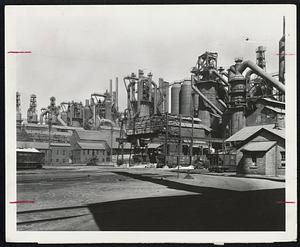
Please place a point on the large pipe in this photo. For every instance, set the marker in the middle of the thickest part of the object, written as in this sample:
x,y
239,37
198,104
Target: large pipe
x,y
220,76
257,70
207,100
222,103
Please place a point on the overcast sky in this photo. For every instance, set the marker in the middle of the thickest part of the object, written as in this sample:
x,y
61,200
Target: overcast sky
x,y
76,50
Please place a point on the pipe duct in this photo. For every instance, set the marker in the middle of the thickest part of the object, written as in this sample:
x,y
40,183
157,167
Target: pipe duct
x,y
257,70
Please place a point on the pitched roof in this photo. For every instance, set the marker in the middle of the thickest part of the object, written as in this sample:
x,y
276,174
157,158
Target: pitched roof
x,y
92,145
246,132
40,145
28,150
37,145
89,135
279,132
58,144
258,146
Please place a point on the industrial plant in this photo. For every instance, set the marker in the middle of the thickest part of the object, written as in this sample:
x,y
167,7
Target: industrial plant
x,y
220,119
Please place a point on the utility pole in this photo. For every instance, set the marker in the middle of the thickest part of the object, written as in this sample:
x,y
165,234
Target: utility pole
x,y
166,140
49,140
180,147
192,143
111,142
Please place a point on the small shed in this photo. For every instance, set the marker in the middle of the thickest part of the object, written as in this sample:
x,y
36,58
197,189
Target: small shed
x,y
260,150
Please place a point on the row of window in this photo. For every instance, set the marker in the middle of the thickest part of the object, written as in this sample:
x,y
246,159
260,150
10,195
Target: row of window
x,y
93,152
63,152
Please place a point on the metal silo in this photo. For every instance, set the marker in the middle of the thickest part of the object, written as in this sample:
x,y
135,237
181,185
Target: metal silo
x,y
175,93
185,105
195,104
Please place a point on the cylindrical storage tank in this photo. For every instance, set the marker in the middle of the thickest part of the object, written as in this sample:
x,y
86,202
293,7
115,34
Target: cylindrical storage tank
x,y
108,109
175,93
204,117
19,117
41,118
185,99
29,116
196,103
34,118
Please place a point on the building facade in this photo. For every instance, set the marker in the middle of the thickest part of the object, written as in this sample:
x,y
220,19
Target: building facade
x,y
260,150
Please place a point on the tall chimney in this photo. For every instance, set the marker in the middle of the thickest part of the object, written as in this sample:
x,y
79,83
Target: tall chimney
x,y
117,94
282,58
110,88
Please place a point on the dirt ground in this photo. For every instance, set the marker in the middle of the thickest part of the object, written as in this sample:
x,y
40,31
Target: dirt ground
x,y
82,198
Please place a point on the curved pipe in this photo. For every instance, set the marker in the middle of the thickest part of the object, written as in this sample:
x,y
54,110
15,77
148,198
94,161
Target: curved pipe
x,y
257,70
207,100
220,76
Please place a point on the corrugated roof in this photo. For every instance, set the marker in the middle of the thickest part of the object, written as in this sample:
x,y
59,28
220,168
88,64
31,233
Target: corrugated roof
x,y
276,109
246,132
258,146
37,145
92,145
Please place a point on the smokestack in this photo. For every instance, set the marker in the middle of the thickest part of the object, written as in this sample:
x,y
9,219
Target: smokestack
x,y
282,55
117,94
282,60
110,88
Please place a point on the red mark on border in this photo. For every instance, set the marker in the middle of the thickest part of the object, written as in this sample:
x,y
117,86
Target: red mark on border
x,y
23,201
285,202
18,52
286,54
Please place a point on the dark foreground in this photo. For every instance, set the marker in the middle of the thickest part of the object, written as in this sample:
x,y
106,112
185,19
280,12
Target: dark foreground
x,y
147,200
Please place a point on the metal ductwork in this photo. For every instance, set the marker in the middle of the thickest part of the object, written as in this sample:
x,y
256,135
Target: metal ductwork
x,y
207,100
220,76
257,70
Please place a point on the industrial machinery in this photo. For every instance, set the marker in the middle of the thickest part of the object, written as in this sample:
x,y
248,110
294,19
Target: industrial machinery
x,y
205,109
31,112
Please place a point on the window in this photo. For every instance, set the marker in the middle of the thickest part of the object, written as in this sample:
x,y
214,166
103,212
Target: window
x,y
57,151
64,152
63,160
282,158
83,152
57,160
88,152
254,161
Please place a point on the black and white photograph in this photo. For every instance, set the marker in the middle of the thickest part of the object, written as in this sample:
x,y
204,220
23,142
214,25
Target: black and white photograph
x,y
150,123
